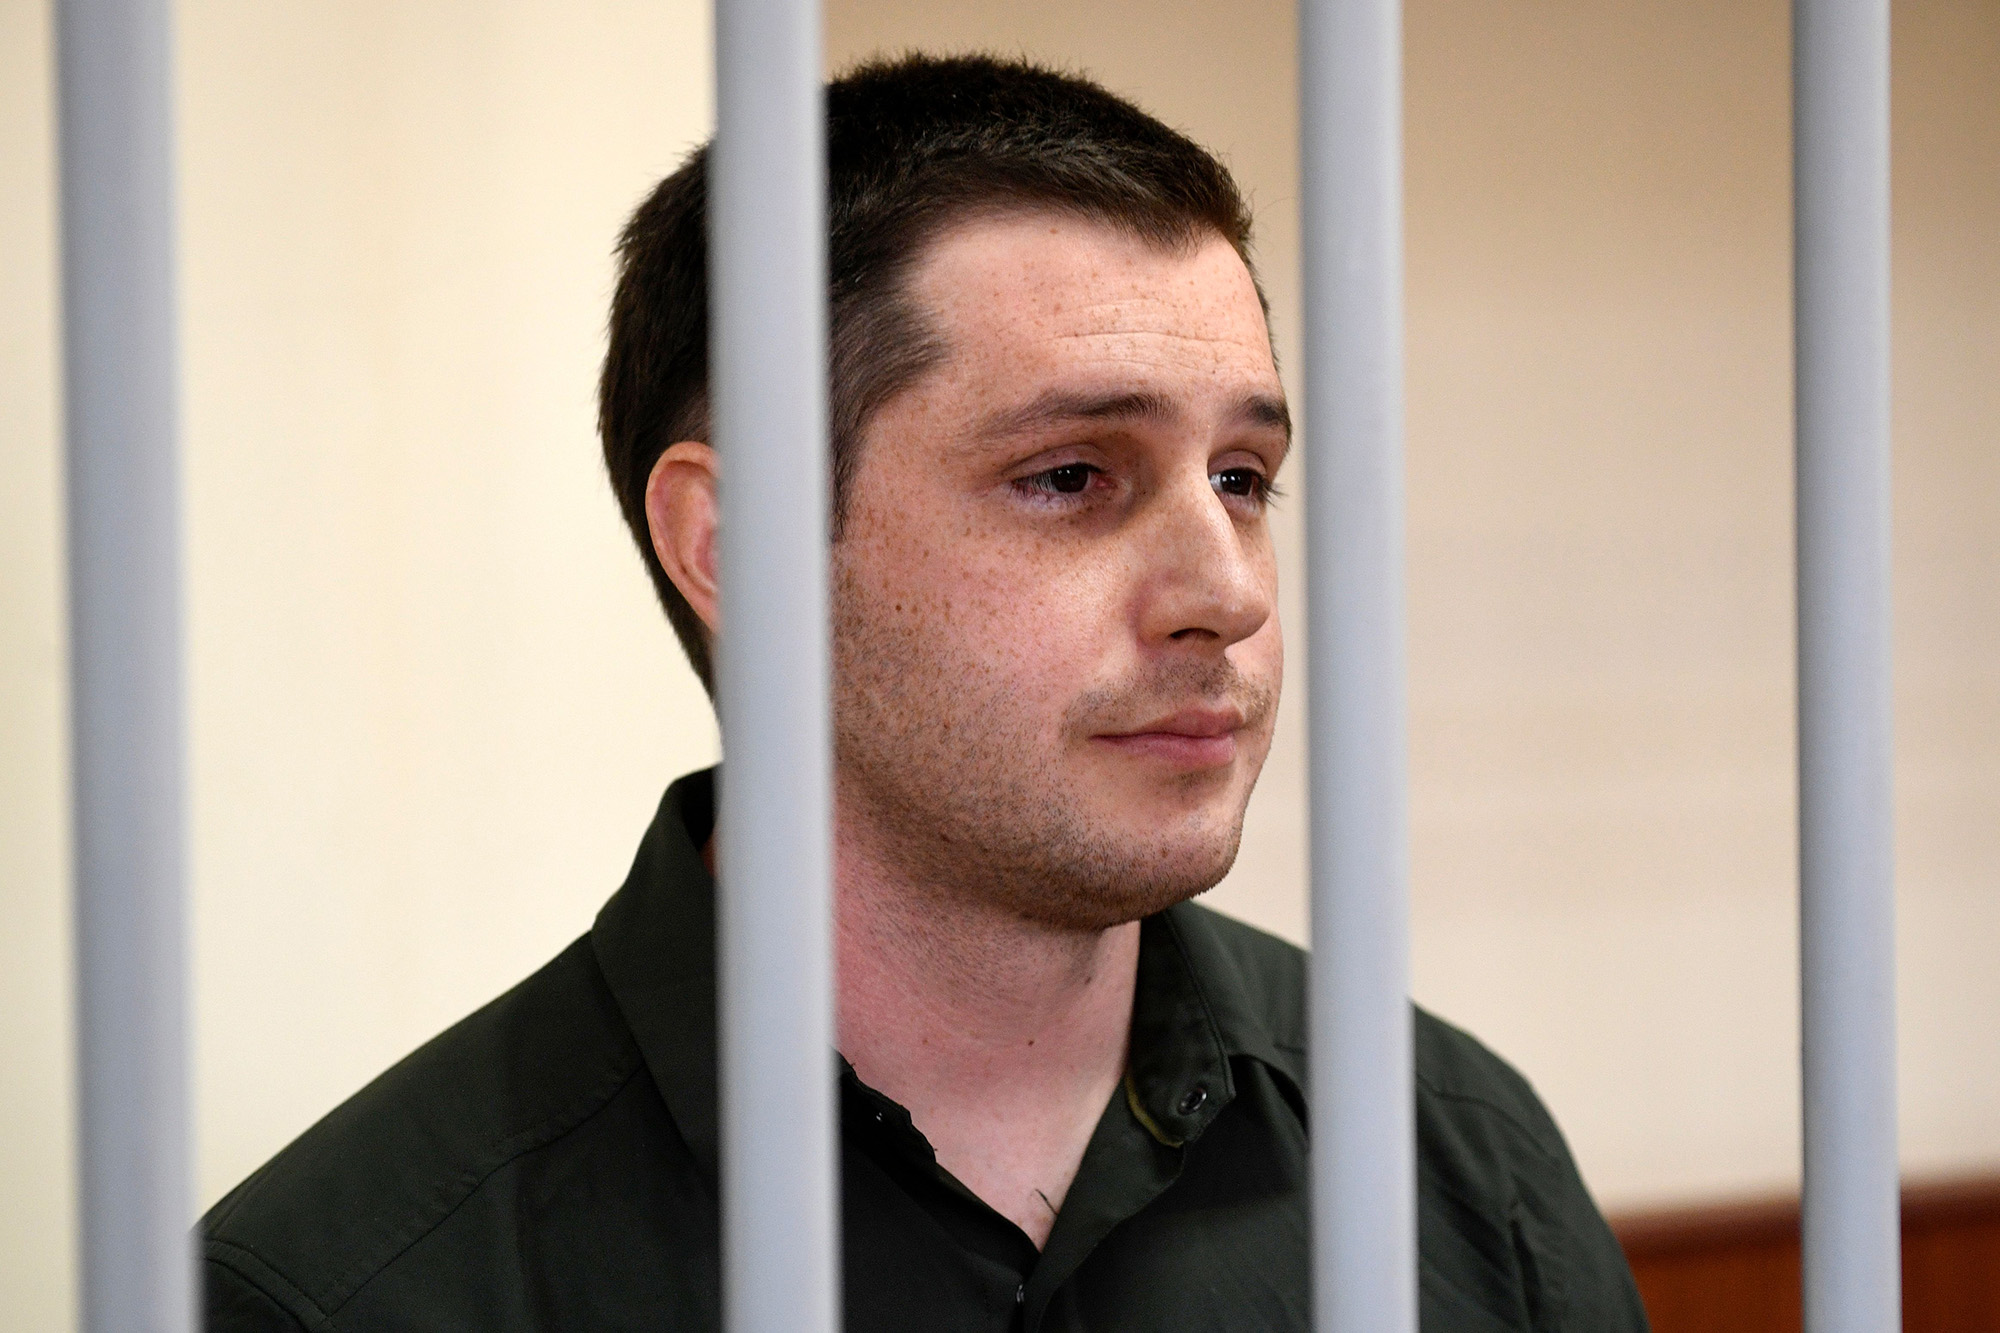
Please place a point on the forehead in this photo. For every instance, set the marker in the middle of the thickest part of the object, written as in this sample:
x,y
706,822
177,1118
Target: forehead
x,y
1039,297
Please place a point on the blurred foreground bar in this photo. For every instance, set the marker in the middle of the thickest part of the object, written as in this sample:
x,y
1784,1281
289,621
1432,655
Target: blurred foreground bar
x,y
1364,1171
1847,936
120,366
768,312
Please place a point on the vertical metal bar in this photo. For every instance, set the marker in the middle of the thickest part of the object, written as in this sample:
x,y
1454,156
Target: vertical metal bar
x,y
767,242
1364,1171
120,366
1840,129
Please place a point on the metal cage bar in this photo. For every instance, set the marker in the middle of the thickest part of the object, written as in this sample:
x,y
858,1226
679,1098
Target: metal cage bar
x,y
767,247
126,707
1364,1160
1840,129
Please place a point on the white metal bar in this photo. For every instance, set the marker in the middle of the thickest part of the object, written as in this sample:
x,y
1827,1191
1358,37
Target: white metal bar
x,y
1364,1171
120,365
768,302
1840,129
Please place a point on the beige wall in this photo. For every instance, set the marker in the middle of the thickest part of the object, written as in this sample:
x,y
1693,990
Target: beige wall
x,y
432,706
432,703
1600,532
36,1209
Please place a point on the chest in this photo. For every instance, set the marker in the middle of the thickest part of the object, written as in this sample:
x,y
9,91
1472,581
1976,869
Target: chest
x,y
1208,1235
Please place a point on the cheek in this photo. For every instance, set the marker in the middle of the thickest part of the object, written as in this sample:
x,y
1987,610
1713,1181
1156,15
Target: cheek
x,y
974,622
1032,633
1054,619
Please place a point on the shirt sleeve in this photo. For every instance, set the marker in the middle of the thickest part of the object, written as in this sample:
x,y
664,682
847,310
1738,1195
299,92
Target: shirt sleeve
x,y
1575,1273
1502,1178
232,1304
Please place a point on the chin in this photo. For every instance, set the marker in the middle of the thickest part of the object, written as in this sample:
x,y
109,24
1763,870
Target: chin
x,y
1150,797
1138,878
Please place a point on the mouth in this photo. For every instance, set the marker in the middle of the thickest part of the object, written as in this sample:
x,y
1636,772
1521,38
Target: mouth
x,y
1190,739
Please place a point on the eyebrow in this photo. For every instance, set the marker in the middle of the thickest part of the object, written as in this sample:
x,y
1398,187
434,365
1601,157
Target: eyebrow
x,y
1060,407
1263,409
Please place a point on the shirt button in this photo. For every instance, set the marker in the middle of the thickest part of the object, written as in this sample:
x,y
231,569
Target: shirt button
x,y
1192,1099
1020,1294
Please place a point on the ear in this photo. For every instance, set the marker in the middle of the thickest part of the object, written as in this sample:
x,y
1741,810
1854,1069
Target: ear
x,y
681,517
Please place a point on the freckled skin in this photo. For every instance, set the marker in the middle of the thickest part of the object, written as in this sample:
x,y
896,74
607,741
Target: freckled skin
x,y
993,628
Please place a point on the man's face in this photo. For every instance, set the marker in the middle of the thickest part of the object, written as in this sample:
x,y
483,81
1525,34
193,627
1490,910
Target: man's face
x,y
1057,652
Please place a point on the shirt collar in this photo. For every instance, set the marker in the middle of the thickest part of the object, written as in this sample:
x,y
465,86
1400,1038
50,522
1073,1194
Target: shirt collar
x,y
1197,1009
1199,1003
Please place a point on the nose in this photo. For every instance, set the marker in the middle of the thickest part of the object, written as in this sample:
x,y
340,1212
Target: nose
x,y
1208,576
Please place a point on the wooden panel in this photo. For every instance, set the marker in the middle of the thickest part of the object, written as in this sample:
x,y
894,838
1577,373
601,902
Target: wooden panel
x,y
1736,1266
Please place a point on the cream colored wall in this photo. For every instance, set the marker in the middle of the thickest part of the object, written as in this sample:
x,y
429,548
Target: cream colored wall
x,y
432,705
432,702
37,1212
1600,604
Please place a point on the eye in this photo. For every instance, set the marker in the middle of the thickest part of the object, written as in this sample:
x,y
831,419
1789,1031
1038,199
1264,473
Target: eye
x,y
1069,479
1246,482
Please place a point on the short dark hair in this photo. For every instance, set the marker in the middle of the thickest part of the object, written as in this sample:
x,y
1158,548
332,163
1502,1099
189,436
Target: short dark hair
x,y
913,144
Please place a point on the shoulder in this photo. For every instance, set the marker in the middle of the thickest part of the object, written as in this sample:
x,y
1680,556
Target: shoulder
x,y
1259,981
1486,1145
1464,1084
1501,1205
394,1162
1500,1195
1474,1097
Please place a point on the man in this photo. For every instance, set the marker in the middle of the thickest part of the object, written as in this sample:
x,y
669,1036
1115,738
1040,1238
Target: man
x,y
1070,1098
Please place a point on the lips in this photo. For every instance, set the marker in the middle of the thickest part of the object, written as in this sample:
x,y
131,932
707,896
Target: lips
x,y
1192,738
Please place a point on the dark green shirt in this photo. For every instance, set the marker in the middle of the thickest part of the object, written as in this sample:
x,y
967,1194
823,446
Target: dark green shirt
x,y
550,1163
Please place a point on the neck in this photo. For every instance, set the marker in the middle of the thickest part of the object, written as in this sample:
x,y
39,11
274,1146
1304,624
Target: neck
x,y
936,986
1003,1037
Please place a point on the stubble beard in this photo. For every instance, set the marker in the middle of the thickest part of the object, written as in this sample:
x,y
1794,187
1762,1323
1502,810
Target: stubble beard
x,y
959,796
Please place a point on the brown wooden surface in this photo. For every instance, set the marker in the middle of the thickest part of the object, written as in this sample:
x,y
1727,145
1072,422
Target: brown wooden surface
x,y
1735,1266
